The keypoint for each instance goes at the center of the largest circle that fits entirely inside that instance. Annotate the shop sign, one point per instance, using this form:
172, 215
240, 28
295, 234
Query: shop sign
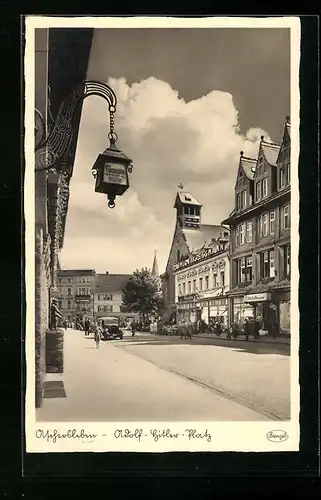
257, 297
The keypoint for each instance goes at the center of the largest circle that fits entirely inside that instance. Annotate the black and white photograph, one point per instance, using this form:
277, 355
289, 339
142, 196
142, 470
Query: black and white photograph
162, 234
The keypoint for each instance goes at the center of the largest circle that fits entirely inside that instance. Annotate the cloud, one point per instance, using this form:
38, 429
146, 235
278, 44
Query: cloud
170, 141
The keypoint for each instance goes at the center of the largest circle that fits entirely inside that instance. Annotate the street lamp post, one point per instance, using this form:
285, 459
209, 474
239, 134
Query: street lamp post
111, 167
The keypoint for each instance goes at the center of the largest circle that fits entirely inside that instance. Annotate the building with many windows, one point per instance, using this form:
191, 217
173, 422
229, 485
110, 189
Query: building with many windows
190, 236
201, 284
108, 296
260, 237
75, 293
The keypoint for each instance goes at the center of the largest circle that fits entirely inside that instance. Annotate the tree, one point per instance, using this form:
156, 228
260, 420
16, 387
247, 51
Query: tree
141, 293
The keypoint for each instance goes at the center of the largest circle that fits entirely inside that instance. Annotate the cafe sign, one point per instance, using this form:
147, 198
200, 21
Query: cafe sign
115, 174
257, 297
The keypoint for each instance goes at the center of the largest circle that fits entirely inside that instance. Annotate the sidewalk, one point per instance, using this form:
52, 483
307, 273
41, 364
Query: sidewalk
241, 338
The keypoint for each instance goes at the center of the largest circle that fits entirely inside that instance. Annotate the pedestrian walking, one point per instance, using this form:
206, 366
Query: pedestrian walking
97, 335
87, 327
133, 328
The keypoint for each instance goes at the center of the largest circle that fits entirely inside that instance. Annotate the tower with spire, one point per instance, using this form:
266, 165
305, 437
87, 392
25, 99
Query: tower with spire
155, 271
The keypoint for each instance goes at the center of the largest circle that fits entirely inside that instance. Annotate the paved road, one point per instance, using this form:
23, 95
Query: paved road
168, 379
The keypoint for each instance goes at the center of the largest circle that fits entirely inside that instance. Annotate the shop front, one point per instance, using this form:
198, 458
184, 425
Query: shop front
218, 310
265, 310
240, 310
284, 306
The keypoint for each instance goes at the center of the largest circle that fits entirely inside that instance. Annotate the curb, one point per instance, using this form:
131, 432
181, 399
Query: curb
243, 340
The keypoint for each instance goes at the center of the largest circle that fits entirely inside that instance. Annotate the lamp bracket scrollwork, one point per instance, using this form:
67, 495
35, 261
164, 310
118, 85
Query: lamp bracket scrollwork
52, 148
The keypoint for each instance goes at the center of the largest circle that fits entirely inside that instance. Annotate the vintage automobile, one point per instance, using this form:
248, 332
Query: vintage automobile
110, 328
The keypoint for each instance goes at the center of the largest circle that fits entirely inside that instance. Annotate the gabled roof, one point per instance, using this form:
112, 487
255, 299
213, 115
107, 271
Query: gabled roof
202, 237
286, 131
249, 166
271, 152
108, 283
186, 199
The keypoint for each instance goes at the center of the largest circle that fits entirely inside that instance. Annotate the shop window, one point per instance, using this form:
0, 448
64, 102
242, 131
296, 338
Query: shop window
267, 264
286, 217
249, 232
272, 222
258, 191
287, 260
264, 187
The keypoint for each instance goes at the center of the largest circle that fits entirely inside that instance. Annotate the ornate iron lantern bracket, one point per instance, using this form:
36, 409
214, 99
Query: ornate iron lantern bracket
49, 150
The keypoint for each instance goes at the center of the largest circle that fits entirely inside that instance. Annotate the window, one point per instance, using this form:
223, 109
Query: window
69, 304
264, 166
272, 268
108, 308
206, 282
258, 190
189, 287
264, 187
286, 217
238, 202
272, 222
237, 236
69, 291
249, 232
267, 264
194, 285
183, 288
215, 280
244, 269
243, 200
287, 260
59, 304
222, 278
242, 235
201, 284
265, 225
69, 280
178, 258
180, 289
288, 173
282, 177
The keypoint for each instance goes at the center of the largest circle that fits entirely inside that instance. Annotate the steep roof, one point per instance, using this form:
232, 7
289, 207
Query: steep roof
76, 272
288, 128
271, 152
186, 199
249, 166
105, 283
202, 237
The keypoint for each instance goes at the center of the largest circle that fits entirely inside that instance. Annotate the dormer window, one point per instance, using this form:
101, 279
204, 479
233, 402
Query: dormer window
243, 201
264, 187
187, 198
258, 191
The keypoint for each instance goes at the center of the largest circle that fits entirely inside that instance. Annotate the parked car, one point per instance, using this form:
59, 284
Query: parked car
110, 328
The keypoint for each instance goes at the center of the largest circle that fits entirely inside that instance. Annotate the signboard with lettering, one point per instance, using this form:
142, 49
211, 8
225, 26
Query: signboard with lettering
115, 174
257, 297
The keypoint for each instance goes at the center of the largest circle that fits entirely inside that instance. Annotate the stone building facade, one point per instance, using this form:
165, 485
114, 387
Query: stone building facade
75, 290
61, 59
202, 283
260, 244
190, 235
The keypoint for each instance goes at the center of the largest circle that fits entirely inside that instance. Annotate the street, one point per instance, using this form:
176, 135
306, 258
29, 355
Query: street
160, 378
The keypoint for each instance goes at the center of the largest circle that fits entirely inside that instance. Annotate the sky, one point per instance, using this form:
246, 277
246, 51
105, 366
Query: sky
189, 100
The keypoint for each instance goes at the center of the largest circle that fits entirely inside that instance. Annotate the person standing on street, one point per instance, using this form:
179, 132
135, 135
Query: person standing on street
246, 328
87, 326
133, 328
97, 335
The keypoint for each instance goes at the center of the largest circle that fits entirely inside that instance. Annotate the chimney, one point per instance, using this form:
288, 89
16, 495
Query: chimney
107, 272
